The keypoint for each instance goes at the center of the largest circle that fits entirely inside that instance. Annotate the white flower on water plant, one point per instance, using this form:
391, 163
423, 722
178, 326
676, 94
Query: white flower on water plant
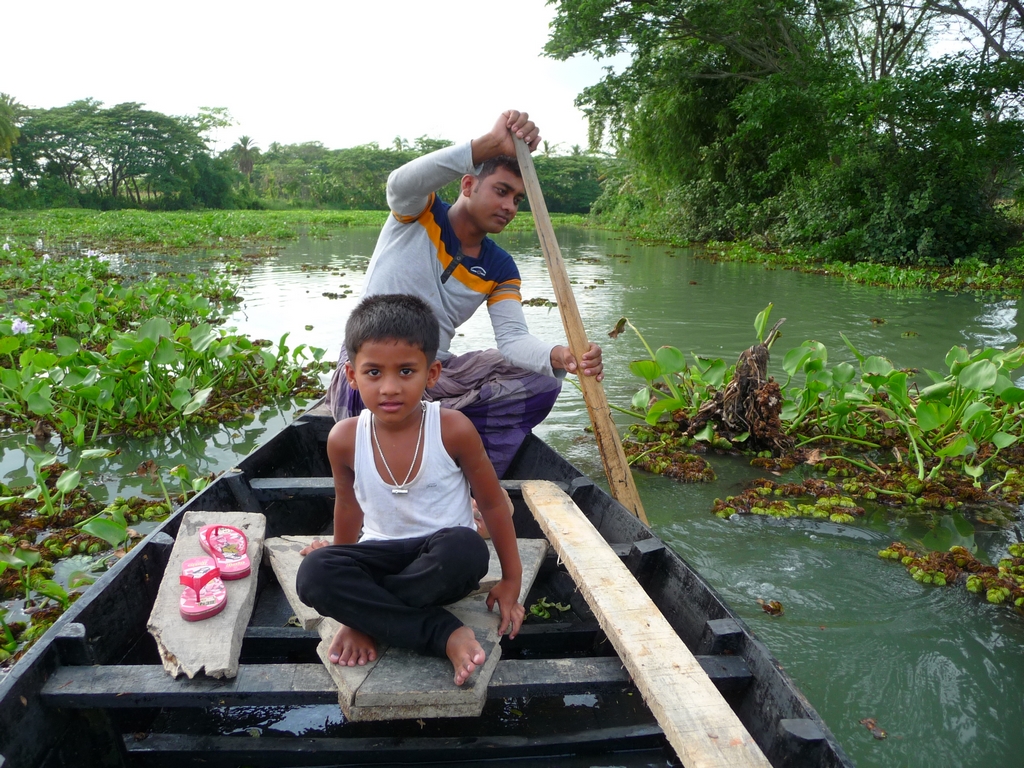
46, 257
90, 253
39, 243
7, 246
19, 326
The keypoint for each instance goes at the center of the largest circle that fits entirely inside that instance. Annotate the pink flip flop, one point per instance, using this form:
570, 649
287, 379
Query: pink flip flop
227, 546
205, 594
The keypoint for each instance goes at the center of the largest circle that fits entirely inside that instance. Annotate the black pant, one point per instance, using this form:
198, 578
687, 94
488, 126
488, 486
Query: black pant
393, 590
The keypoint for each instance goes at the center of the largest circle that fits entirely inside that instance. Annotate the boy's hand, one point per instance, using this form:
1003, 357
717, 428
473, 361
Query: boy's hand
506, 594
316, 544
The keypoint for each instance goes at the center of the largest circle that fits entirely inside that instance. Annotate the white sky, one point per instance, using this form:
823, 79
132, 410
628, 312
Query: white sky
342, 73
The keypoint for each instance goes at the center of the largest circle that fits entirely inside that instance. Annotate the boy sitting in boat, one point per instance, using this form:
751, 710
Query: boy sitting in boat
402, 550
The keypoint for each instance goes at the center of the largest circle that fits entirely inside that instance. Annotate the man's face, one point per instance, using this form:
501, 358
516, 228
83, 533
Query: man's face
493, 201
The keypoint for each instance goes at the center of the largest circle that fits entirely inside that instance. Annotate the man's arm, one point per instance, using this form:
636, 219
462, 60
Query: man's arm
463, 444
521, 348
410, 186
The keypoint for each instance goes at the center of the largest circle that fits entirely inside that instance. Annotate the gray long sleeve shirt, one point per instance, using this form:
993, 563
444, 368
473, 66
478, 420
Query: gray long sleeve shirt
415, 254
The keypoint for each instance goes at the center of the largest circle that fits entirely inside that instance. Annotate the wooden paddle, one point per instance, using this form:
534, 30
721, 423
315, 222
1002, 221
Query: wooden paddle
620, 478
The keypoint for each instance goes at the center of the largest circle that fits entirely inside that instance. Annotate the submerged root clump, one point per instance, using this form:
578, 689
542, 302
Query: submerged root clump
1000, 584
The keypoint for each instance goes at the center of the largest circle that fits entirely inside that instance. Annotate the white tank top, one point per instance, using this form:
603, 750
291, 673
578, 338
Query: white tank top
438, 496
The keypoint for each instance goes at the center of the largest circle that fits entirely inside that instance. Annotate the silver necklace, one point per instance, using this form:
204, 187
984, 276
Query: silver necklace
400, 487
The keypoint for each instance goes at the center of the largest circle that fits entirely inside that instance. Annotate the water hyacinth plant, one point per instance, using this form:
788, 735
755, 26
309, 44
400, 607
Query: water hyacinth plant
107, 354
879, 435
969, 414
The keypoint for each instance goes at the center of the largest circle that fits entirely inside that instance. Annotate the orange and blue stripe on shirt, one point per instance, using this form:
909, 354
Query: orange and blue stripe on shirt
493, 273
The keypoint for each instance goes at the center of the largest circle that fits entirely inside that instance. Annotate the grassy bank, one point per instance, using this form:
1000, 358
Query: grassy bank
967, 275
169, 232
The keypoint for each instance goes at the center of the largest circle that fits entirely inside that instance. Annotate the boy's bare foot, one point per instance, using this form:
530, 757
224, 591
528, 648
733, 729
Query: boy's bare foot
465, 653
351, 647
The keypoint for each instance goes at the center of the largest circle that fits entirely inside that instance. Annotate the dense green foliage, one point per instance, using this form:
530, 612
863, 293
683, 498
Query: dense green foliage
90, 156
805, 122
85, 154
152, 231
85, 350
970, 413
304, 175
133, 231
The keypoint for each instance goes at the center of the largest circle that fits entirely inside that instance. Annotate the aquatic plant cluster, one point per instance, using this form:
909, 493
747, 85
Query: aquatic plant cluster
56, 540
874, 437
968, 418
1002, 583
89, 349
85, 350
173, 231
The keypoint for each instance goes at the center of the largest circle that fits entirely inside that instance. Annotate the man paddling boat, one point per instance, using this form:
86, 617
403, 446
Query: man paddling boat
442, 253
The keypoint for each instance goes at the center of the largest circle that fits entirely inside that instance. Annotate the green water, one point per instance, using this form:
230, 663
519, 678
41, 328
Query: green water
940, 671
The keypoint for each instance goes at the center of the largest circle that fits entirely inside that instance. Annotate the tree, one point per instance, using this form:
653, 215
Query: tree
804, 121
9, 111
245, 153
87, 154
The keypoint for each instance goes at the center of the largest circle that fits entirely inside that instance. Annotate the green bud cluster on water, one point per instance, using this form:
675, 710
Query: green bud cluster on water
1003, 583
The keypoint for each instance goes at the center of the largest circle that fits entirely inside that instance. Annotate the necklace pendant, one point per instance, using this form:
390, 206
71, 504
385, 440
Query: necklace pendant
398, 491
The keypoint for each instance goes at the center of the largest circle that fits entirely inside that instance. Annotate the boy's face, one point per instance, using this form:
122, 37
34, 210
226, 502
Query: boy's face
390, 376
493, 201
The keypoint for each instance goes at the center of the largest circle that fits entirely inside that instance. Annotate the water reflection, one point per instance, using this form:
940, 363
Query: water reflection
999, 325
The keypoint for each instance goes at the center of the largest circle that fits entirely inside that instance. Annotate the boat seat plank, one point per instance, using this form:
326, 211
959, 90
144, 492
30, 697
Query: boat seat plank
699, 724
129, 686
401, 683
212, 645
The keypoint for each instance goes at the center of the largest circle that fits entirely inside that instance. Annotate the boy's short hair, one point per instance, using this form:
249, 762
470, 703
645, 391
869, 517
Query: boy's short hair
393, 317
507, 162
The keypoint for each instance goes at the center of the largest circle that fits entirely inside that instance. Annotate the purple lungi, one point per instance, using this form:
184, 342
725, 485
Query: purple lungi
503, 402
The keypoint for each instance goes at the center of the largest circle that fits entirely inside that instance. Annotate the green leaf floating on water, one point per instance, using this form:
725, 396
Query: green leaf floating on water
640, 399
951, 531
1003, 440
932, 415
109, 531
645, 369
707, 434
154, 328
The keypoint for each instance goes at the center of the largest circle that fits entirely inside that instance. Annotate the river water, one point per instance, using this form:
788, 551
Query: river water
940, 671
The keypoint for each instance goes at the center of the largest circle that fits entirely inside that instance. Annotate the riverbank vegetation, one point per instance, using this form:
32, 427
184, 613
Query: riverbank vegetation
87, 155
856, 442
832, 130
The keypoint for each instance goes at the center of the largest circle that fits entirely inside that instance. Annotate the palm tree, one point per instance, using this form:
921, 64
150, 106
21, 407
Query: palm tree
245, 154
9, 133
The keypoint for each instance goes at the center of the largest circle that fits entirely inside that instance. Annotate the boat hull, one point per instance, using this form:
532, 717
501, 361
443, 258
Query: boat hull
93, 692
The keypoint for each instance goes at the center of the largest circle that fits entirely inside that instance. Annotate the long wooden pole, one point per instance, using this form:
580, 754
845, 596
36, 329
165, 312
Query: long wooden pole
616, 468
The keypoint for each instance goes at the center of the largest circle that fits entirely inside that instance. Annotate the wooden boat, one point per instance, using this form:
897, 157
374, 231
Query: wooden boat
93, 691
